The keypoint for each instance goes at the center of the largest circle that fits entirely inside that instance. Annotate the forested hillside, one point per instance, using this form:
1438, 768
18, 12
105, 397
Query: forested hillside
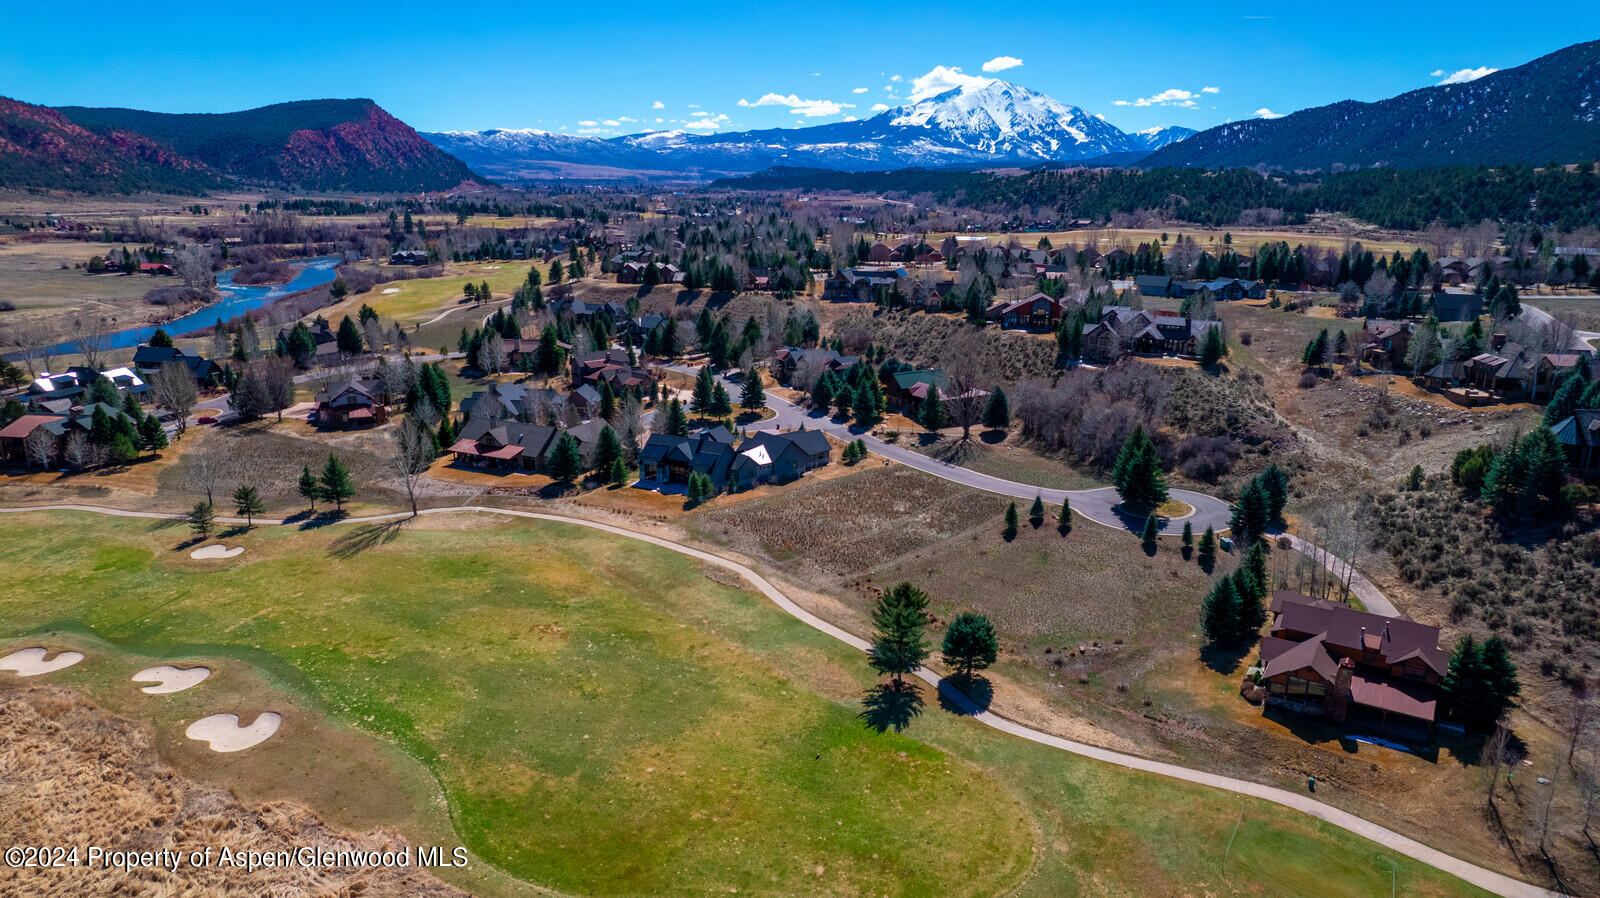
1409, 199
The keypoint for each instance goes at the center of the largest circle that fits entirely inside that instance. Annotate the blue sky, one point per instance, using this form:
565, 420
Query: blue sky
632, 66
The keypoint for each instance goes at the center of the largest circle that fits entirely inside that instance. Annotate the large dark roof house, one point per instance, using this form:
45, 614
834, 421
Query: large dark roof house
150, 359
668, 459
786, 360
1039, 312
353, 402
501, 445
1351, 667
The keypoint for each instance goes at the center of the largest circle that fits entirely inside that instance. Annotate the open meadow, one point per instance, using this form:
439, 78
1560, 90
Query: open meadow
603, 717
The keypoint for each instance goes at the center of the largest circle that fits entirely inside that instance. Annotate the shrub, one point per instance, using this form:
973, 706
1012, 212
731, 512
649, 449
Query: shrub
1308, 379
1246, 338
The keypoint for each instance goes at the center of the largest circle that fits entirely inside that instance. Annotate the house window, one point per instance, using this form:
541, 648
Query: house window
1315, 689
1276, 687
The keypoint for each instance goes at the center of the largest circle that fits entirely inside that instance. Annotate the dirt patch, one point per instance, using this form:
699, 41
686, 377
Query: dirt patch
76, 774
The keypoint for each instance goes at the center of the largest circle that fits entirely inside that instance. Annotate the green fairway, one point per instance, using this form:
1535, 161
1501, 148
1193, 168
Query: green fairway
606, 719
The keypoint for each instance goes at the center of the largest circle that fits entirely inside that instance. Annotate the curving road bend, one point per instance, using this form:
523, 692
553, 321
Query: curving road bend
1479, 876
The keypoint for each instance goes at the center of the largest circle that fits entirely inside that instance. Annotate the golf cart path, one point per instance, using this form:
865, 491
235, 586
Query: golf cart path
1405, 845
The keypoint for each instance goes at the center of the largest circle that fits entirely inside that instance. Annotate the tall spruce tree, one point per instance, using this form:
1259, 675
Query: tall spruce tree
1137, 473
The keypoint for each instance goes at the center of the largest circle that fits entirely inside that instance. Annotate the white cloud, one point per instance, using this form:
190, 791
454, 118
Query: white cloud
1001, 63
896, 78
1436, 73
879, 107
611, 123
850, 118
816, 74
940, 79
1211, 90
1462, 76
658, 105
797, 106
700, 113
694, 105
703, 124
594, 130
588, 124
1172, 96
859, 90
1264, 112
623, 118
658, 121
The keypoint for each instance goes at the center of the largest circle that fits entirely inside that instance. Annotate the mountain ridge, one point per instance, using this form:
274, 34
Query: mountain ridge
1547, 109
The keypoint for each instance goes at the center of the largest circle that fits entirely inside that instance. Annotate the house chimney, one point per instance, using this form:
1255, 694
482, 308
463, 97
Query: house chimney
1496, 341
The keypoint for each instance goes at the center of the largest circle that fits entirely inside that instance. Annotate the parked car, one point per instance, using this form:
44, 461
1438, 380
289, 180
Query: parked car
205, 419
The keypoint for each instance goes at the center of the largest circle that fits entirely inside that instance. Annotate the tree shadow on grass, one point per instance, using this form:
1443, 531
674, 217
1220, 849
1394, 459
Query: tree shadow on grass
165, 524
992, 436
360, 539
892, 705
323, 518
965, 694
1224, 659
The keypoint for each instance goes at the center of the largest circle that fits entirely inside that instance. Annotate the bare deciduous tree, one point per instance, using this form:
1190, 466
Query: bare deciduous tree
174, 391
91, 336
40, 446
1493, 756
277, 382
413, 453
205, 469
77, 451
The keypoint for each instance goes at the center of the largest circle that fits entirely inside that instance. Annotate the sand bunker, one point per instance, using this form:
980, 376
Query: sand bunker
224, 733
389, 290
170, 679
216, 551
31, 662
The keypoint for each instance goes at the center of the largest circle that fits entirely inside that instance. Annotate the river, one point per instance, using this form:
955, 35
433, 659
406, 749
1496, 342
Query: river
232, 301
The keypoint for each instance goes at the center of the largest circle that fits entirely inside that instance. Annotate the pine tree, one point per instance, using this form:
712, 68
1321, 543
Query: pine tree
997, 413
677, 421
721, 403
1151, 531
932, 413
247, 503
1219, 613
1064, 520
201, 520
1011, 520
970, 644
822, 392
335, 484
1036, 511
865, 407
1207, 550
151, 434
899, 645
1212, 347
704, 383
1275, 484
608, 401
1250, 513
566, 459
752, 395
1188, 538
607, 449
1137, 473
309, 490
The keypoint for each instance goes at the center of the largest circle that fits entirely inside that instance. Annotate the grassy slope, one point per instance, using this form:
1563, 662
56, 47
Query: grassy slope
605, 720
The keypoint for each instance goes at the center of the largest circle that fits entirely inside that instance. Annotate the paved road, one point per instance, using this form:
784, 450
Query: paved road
1401, 844
1098, 505
1370, 596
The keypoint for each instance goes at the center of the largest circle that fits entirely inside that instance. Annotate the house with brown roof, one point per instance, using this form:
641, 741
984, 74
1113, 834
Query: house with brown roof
1579, 435
353, 402
1351, 667
1039, 312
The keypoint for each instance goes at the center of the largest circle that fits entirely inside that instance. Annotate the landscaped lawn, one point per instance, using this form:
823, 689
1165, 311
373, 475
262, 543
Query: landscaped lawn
606, 719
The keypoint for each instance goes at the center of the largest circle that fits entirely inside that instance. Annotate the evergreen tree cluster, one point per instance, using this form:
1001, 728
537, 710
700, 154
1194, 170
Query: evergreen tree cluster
1261, 502
1480, 684
1138, 474
1234, 610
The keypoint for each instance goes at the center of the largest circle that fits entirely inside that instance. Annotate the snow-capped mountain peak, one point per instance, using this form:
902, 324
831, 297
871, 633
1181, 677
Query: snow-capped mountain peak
978, 122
